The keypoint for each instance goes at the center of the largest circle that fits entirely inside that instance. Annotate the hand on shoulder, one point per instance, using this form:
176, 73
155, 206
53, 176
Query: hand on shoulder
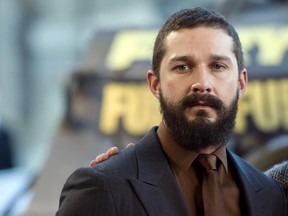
105, 156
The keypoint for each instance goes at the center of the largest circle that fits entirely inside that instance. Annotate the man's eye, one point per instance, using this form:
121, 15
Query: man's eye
218, 66
182, 67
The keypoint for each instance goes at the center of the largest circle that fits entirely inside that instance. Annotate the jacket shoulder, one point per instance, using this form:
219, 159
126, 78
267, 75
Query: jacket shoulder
252, 174
123, 163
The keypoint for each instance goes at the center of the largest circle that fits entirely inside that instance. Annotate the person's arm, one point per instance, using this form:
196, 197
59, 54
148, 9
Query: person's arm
279, 173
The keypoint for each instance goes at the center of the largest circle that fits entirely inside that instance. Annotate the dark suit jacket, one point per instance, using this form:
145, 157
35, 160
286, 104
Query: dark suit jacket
139, 181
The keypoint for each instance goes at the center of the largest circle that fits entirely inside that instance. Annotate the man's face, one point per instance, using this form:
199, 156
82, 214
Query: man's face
199, 77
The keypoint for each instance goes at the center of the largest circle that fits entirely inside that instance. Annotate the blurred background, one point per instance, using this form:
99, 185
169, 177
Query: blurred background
72, 84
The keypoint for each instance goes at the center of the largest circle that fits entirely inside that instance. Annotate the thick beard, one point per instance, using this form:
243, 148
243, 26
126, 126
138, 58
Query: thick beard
199, 133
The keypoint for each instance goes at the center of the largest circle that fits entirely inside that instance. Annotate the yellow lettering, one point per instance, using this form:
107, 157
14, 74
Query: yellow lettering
243, 111
136, 45
129, 46
248, 40
266, 102
112, 108
264, 105
139, 114
284, 99
273, 44
131, 103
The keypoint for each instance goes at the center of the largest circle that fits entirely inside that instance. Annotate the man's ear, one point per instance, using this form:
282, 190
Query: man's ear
243, 81
153, 83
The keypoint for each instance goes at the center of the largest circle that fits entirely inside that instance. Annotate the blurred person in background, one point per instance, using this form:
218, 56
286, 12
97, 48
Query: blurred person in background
198, 76
5, 148
279, 173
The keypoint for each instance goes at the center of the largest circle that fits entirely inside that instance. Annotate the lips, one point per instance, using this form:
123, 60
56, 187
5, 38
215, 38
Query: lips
202, 100
201, 104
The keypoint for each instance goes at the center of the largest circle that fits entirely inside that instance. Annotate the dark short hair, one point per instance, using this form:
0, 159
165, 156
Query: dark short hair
192, 18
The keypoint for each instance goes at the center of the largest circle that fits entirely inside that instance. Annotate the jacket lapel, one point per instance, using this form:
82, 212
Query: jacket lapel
250, 187
156, 186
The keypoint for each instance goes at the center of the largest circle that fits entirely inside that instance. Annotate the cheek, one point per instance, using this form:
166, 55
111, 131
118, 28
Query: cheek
229, 85
228, 93
174, 91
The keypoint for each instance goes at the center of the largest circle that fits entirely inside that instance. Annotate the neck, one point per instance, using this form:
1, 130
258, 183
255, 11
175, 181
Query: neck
208, 150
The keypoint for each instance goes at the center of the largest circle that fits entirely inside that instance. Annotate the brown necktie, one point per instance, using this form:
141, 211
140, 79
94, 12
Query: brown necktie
213, 201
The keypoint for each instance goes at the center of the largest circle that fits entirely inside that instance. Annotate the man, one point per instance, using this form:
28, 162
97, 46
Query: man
5, 148
198, 75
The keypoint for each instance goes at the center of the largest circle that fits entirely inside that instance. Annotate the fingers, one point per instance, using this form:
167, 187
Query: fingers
92, 163
112, 151
130, 144
98, 159
104, 156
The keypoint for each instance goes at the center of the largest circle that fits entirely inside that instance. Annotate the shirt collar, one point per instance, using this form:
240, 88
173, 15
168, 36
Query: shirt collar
221, 154
182, 157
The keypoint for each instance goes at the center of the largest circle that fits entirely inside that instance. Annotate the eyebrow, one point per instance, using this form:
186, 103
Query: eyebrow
220, 57
184, 58
187, 58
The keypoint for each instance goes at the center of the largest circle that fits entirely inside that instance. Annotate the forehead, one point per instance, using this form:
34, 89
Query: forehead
200, 40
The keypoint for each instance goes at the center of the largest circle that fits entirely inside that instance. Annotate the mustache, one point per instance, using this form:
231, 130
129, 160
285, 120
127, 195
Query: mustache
207, 99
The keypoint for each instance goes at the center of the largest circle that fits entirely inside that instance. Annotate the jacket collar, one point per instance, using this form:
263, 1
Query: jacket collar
159, 192
249, 185
156, 186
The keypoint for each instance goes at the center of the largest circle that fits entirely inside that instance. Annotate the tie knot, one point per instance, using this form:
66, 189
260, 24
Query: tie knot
208, 161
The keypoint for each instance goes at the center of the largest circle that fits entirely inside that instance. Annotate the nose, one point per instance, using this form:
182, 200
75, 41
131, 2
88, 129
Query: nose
201, 83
